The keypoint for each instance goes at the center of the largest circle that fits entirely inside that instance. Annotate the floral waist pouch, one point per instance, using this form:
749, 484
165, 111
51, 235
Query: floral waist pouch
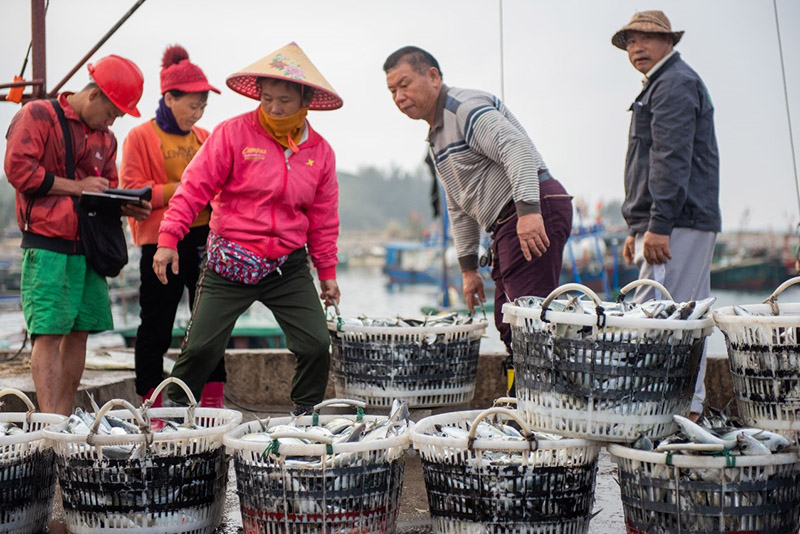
238, 264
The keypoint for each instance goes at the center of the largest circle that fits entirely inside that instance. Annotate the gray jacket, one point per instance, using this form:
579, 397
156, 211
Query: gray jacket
672, 166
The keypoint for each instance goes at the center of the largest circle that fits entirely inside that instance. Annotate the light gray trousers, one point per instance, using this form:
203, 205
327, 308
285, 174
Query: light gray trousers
687, 276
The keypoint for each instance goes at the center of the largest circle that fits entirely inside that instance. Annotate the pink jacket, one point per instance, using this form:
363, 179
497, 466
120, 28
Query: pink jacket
261, 199
143, 165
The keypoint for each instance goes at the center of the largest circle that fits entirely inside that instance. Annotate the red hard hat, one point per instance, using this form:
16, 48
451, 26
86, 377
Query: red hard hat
120, 80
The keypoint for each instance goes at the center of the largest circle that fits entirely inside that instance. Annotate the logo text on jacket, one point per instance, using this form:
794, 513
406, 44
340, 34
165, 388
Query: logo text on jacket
251, 152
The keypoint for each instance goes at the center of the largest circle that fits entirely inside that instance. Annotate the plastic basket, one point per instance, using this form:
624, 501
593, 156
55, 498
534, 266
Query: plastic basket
178, 486
27, 472
625, 377
337, 488
548, 489
764, 358
423, 366
691, 494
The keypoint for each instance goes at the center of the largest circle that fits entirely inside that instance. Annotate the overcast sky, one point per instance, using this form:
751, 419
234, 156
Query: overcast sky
563, 79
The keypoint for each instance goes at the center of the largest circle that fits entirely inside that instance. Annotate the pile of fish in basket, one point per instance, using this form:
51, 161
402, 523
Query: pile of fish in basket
27, 475
428, 361
119, 475
321, 473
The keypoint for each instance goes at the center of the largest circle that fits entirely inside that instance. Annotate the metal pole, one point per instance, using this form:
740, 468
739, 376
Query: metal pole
102, 41
39, 68
502, 71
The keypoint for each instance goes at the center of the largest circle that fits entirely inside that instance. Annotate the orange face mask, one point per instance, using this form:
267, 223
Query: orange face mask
285, 130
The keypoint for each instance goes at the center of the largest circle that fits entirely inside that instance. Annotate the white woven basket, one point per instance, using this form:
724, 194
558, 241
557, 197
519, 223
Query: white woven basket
692, 494
27, 471
547, 489
178, 487
625, 377
339, 487
423, 366
764, 358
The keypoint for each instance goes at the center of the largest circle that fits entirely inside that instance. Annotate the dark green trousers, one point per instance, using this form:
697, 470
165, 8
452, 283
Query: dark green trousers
292, 298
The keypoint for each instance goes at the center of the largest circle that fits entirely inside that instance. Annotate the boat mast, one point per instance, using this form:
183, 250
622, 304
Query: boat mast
788, 116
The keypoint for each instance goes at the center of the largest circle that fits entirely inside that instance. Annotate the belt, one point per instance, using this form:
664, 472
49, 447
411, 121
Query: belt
509, 210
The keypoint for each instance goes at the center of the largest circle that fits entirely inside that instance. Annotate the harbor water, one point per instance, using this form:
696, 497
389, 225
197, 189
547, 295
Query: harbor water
366, 291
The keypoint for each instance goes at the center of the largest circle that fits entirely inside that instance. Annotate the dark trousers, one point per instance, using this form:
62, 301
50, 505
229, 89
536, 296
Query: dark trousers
158, 304
513, 275
292, 298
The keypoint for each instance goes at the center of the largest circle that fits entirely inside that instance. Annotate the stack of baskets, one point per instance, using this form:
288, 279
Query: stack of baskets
618, 379
764, 358
534, 486
318, 488
422, 366
27, 472
175, 482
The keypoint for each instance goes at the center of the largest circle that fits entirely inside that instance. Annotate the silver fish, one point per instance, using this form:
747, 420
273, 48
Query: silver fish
750, 446
695, 432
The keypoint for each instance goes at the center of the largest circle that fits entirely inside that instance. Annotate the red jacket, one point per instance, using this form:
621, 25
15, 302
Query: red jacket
143, 165
35, 154
262, 199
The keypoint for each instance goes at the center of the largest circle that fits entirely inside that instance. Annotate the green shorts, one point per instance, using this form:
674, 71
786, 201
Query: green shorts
61, 294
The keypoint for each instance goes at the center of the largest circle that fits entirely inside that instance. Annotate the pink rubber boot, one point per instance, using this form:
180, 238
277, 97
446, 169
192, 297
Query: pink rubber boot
155, 424
213, 395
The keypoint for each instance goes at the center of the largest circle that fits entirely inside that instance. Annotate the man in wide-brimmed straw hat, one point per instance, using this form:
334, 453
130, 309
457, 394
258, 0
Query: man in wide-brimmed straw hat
494, 179
671, 171
271, 181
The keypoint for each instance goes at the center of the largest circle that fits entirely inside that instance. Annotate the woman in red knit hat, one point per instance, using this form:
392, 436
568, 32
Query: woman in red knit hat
156, 153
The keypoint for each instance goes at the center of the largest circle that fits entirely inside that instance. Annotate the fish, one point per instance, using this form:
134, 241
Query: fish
750, 446
695, 432
774, 442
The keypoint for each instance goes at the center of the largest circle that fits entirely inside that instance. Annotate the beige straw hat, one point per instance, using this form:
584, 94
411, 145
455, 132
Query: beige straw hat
647, 22
289, 63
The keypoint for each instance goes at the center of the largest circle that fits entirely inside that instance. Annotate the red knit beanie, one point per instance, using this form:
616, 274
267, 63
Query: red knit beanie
177, 72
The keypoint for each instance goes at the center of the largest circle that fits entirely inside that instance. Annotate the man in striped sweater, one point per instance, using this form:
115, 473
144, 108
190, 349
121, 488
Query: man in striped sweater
494, 179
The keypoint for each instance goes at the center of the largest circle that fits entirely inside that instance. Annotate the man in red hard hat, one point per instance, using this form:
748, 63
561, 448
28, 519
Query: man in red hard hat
64, 299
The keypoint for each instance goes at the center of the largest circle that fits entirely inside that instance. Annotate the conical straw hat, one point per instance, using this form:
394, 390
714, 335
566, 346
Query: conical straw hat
289, 63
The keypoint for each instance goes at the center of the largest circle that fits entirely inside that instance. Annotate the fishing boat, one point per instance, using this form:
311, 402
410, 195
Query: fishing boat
255, 329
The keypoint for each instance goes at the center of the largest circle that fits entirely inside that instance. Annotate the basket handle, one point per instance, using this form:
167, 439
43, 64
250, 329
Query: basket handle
601, 318
504, 400
357, 404
643, 282
700, 447
526, 431
340, 402
302, 435
772, 300
167, 381
24, 398
144, 426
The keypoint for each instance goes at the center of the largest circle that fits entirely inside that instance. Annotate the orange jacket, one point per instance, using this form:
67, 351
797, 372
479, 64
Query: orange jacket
143, 165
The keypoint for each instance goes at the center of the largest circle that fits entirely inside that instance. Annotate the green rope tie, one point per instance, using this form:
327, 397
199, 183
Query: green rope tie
359, 414
329, 448
271, 449
668, 460
730, 459
315, 418
339, 323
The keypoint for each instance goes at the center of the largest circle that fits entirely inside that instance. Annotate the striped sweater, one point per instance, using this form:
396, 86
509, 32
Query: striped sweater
484, 159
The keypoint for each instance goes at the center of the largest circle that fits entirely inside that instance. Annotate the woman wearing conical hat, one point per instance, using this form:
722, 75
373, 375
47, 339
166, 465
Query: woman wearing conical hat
271, 181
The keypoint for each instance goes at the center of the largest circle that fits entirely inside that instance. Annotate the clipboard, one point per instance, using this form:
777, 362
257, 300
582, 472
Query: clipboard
112, 200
